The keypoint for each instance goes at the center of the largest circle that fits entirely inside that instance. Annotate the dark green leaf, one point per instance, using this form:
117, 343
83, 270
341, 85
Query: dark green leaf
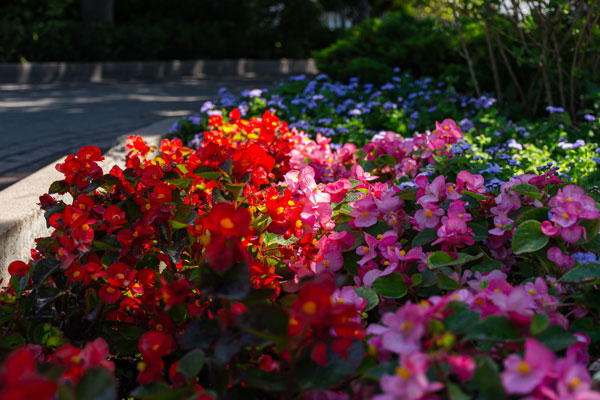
392, 286
369, 296
313, 376
527, 190
439, 259
581, 273
493, 328
266, 380
529, 237
539, 322
474, 195
42, 269
424, 237
59, 187
375, 373
587, 326
537, 214
191, 364
96, 384
274, 327
556, 338
487, 381
159, 391
201, 333
461, 321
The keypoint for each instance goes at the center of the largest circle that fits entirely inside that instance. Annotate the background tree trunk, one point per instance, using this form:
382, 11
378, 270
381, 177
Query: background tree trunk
98, 11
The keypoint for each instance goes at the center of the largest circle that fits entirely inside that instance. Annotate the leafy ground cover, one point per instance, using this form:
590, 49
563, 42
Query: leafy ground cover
259, 262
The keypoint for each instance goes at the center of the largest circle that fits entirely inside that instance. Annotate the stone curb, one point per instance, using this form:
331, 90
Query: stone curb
52, 72
21, 219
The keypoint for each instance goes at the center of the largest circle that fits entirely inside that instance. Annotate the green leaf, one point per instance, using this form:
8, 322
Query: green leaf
455, 392
447, 283
386, 159
201, 333
377, 229
264, 380
377, 372
527, 190
538, 214
182, 183
487, 264
539, 322
582, 273
176, 224
493, 328
103, 246
593, 245
235, 188
159, 391
556, 338
369, 296
529, 237
461, 321
480, 230
587, 326
273, 328
19, 283
12, 341
59, 187
486, 380
313, 376
207, 172
96, 384
439, 259
42, 269
392, 286
591, 227
191, 364
474, 195
424, 237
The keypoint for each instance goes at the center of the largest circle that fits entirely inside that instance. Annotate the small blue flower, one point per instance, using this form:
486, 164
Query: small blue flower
589, 117
513, 144
466, 125
552, 110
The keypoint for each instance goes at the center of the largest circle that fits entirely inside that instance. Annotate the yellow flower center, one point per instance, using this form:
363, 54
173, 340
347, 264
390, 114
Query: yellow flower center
403, 372
402, 253
365, 249
570, 199
406, 326
364, 214
428, 213
575, 382
565, 215
523, 368
227, 223
310, 307
460, 215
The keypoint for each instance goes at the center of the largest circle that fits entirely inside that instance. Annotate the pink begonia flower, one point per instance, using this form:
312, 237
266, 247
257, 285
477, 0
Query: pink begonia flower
567, 194
413, 255
388, 202
565, 215
291, 180
500, 221
365, 213
463, 295
454, 233
573, 378
433, 192
369, 251
518, 304
338, 189
468, 181
523, 375
409, 167
573, 233
561, 260
388, 242
481, 281
550, 230
429, 216
410, 381
324, 395
347, 295
373, 274
338, 240
332, 261
449, 128
457, 210
359, 173
403, 330
463, 366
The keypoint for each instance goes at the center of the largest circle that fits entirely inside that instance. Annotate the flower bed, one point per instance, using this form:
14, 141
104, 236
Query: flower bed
355, 112
265, 264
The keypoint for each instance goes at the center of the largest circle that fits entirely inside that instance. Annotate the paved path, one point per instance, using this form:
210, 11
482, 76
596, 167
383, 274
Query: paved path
41, 123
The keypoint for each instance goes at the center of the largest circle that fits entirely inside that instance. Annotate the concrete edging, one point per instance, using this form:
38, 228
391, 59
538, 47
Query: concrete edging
52, 72
21, 219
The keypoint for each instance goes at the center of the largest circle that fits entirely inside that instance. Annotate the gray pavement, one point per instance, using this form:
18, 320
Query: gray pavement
41, 123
